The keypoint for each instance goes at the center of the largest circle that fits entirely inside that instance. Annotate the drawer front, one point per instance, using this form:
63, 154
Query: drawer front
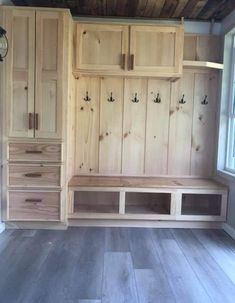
34, 152
34, 206
34, 175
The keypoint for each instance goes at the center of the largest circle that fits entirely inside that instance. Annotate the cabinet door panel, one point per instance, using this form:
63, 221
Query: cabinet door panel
157, 127
157, 48
111, 126
100, 46
204, 125
180, 136
87, 126
20, 71
134, 126
49, 72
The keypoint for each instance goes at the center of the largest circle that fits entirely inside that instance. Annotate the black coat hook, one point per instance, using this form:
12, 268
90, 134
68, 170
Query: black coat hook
182, 101
157, 99
111, 99
135, 100
204, 102
87, 98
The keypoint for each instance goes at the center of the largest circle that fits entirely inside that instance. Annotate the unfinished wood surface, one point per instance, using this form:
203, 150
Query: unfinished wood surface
101, 46
87, 126
144, 182
20, 71
181, 115
111, 115
156, 48
202, 65
157, 122
49, 74
134, 124
34, 206
204, 124
34, 152
21, 175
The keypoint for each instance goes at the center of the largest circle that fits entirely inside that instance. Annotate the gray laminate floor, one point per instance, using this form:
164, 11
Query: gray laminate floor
117, 265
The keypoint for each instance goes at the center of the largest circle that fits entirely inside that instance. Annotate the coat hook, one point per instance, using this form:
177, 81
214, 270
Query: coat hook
135, 100
204, 102
157, 99
87, 98
182, 101
111, 99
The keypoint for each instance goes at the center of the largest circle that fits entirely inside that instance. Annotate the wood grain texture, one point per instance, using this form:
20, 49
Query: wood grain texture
134, 126
87, 126
196, 9
111, 115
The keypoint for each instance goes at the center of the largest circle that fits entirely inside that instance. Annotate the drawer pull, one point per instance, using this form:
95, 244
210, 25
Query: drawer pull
33, 175
33, 200
33, 152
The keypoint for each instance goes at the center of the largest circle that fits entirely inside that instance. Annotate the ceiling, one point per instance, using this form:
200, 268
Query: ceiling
151, 9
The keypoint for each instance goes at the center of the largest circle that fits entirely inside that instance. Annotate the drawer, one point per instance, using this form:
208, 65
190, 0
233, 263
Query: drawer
34, 152
39, 206
34, 175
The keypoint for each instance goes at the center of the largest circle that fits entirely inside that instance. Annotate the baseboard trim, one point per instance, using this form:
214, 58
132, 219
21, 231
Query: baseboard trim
229, 230
2, 227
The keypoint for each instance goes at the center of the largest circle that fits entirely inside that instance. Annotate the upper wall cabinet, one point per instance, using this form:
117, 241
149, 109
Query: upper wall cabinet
156, 49
101, 47
138, 50
33, 72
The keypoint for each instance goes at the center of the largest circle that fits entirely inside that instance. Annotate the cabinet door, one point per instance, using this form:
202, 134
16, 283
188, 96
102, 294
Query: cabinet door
49, 74
156, 49
180, 136
87, 125
204, 124
111, 110
20, 26
101, 47
134, 124
157, 127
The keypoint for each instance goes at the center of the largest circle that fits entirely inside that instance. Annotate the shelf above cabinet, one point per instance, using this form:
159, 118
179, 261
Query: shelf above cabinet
202, 64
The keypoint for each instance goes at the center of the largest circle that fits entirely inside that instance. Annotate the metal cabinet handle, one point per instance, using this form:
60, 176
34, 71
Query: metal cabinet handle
36, 121
33, 200
33, 175
131, 63
30, 121
123, 61
33, 152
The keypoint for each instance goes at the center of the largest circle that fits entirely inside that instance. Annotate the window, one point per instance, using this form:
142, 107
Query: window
230, 161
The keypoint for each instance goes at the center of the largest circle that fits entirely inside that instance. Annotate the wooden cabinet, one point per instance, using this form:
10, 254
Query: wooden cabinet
156, 49
34, 73
101, 46
111, 49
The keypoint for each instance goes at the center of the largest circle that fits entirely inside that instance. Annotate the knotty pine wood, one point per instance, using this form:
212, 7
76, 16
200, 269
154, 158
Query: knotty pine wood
134, 124
87, 125
157, 127
110, 136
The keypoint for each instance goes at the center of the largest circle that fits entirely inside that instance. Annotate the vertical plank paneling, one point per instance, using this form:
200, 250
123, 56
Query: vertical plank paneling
157, 127
134, 126
87, 126
110, 137
204, 125
179, 151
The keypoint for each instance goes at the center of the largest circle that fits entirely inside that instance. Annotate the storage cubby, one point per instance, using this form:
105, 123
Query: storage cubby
148, 203
201, 204
96, 202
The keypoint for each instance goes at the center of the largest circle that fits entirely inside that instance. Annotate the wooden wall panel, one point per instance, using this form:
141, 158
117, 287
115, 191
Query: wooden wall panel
110, 137
134, 126
204, 124
157, 127
87, 126
179, 152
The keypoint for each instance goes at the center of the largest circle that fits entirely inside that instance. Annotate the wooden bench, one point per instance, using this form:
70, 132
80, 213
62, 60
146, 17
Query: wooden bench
147, 198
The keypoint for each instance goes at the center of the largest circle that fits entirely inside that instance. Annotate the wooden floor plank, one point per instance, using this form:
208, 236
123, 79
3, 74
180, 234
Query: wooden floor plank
215, 281
223, 254
119, 282
183, 281
116, 239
